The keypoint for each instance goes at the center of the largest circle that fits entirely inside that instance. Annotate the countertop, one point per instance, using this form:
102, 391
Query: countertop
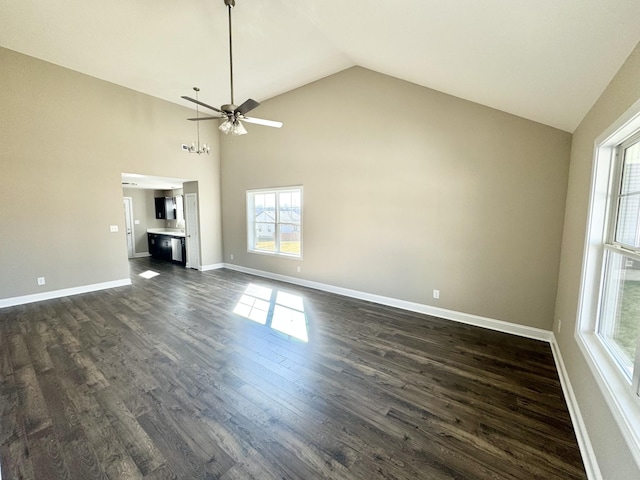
166, 231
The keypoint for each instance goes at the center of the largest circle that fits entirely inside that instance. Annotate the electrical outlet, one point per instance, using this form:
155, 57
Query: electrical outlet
231, 256
436, 294
298, 268
559, 325
113, 228
41, 281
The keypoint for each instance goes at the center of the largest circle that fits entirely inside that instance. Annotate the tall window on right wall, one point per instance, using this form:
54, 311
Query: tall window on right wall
608, 326
619, 314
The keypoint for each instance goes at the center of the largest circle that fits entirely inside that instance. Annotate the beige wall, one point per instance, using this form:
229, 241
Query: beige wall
65, 138
144, 211
624, 90
407, 190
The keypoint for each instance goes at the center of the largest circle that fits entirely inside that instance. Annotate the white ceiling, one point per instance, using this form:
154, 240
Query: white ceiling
546, 60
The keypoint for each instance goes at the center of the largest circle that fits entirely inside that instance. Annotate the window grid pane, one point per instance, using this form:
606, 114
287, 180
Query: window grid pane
631, 170
265, 236
290, 238
620, 325
627, 231
275, 221
628, 221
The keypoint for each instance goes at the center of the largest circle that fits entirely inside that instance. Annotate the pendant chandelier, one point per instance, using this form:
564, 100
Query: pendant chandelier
193, 148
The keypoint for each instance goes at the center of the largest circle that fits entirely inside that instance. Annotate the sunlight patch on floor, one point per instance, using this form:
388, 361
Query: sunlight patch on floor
279, 310
149, 274
254, 304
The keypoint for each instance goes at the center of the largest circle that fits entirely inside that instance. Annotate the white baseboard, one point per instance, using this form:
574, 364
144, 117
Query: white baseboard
469, 319
586, 449
215, 266
584, 443
140, 255
38, 297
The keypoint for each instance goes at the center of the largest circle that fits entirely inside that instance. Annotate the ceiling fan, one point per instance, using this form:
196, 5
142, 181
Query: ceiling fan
230, 112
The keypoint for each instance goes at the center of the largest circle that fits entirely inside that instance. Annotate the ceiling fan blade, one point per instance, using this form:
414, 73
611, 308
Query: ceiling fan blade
260, 121
197, 119
247, 106
201, 103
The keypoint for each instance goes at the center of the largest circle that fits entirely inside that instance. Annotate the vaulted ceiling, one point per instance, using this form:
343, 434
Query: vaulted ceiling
545, 60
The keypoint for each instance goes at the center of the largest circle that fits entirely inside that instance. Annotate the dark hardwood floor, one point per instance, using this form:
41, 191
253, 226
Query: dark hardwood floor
161, 380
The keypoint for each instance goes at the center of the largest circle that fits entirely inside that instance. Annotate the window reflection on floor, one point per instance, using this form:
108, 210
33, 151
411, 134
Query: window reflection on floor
254, 304
149, 274
279, 310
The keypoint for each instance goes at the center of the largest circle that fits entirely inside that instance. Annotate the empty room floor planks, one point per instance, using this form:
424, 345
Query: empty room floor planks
162, 380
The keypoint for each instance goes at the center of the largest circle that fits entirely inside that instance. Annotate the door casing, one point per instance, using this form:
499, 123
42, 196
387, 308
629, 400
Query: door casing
192, 230
129, 226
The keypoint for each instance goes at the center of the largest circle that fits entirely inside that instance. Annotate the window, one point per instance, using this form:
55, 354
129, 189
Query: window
608, 327
619, 319
274, 221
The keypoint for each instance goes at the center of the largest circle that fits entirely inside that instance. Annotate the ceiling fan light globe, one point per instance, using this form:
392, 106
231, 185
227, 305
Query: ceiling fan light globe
238, 128
226, 126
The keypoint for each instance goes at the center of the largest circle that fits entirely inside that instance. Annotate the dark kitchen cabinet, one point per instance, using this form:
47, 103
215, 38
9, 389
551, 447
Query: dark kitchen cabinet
165, 208
158, 246
161, 208
153, 244
162, 248
165, 247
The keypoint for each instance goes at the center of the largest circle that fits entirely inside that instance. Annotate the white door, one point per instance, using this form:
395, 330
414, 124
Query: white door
128, 225
191, 230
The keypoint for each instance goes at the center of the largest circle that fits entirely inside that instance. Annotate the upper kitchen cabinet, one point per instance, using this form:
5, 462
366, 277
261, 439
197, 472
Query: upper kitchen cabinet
165, 208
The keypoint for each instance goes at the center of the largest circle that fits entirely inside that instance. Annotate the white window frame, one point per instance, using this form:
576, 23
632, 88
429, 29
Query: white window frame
251, 224
614, 247
618, 392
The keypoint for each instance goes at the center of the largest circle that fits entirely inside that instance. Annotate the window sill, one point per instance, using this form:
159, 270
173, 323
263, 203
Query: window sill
623, 404
276, 254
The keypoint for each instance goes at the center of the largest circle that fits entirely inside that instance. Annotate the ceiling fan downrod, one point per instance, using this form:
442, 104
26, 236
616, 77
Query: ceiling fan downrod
230, 113
230, 4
